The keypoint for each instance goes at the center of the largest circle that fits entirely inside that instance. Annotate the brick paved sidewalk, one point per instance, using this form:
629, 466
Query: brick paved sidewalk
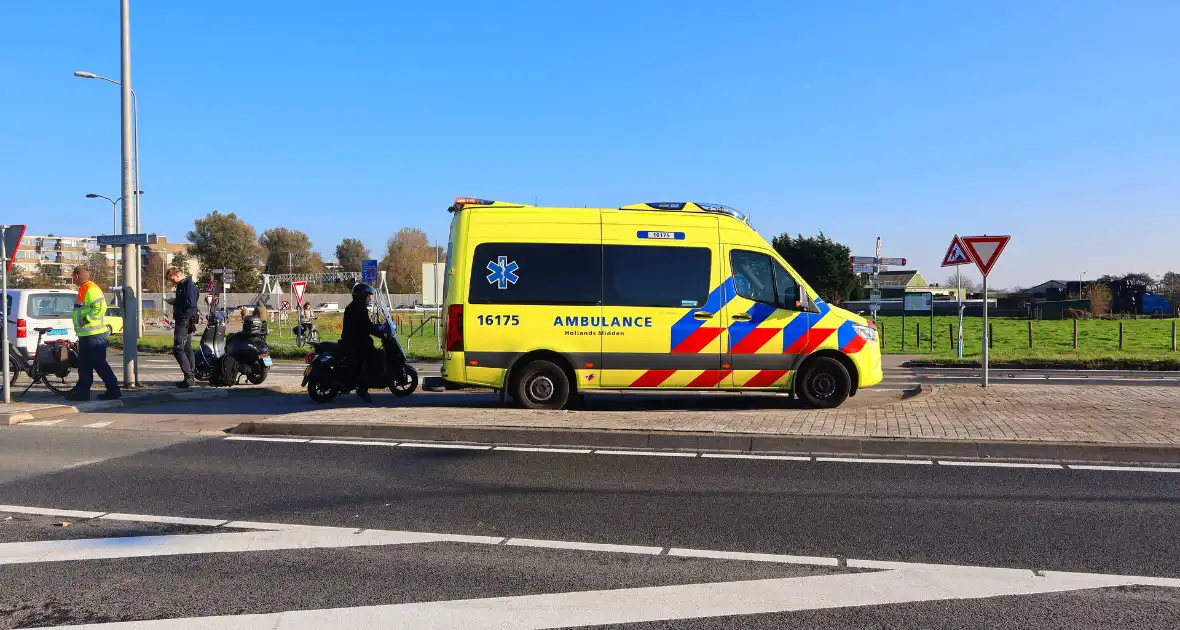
1057, 413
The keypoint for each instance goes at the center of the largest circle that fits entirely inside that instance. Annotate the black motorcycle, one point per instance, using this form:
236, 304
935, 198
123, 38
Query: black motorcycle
328, 374
222, 360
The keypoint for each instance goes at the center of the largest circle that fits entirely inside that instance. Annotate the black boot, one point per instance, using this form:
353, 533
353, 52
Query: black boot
363, 394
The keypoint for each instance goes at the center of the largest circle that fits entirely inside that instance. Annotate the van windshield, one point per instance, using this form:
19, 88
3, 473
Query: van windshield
50, 306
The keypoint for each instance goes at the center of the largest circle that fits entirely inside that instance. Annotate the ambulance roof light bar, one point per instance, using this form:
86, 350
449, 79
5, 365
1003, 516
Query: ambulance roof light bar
715, 208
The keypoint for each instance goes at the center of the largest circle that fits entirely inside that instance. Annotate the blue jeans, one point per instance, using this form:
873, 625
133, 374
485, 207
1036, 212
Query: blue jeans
92, 357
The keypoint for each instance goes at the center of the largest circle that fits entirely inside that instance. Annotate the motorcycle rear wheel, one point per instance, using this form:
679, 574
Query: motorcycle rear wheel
320, 392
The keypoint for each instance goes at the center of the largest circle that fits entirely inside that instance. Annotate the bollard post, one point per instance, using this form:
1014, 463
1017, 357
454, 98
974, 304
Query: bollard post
1030, 344
1120, 335
1075, 334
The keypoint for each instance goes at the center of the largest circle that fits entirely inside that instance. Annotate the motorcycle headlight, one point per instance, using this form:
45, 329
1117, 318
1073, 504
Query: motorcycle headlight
868, 333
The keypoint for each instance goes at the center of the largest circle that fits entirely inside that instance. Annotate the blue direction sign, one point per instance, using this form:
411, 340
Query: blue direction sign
127, 239
369, 271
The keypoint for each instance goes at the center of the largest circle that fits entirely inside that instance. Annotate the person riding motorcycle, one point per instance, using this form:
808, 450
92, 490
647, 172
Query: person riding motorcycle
356, 336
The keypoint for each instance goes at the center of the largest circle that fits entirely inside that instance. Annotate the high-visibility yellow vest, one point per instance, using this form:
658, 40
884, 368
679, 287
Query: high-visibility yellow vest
90, 306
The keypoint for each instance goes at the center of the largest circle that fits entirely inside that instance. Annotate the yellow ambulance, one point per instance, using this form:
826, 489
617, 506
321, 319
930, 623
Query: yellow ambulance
545, 304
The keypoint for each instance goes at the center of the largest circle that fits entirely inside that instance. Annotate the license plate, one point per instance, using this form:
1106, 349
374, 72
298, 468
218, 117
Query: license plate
59, 331
267, 362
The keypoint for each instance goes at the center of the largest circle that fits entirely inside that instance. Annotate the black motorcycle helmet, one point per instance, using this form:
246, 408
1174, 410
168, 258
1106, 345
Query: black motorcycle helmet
362, 291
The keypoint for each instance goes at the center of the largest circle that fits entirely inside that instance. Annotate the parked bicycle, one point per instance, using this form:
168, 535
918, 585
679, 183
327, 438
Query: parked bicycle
55, 364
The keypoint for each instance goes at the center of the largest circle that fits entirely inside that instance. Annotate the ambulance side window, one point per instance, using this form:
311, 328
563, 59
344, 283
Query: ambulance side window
644, 275
561, 274
785, 288
753, 275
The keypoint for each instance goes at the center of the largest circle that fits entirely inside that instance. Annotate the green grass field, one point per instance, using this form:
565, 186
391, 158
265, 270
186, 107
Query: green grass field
1147, 343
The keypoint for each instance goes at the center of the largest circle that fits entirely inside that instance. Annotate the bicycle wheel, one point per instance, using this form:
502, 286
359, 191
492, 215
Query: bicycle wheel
60, 384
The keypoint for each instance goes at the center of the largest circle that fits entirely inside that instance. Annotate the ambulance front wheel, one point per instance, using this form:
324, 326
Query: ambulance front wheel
541, 385
824, 383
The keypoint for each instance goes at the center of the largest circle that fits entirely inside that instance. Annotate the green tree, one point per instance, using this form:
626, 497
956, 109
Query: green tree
1099, 295
350, 252
180, 261
404, 254
823, 263
102, 270
287, 250
223, 241
18, 278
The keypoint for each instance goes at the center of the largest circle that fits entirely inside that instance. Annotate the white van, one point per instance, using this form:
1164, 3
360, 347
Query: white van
30, 309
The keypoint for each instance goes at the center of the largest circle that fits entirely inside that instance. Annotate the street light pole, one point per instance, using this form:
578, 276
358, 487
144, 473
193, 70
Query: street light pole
114, 228
130, 271
138, 191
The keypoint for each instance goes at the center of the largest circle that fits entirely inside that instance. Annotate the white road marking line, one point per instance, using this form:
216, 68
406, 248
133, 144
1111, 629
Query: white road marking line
25, 509
354, 442
187, 544
658, 603
1123, 468
754, 557
464, 447
42, 423
647, 453
583, 546
98, 425
789, 458
870, 460
943, 462
172, 520
323, 529
540, 449
250, 438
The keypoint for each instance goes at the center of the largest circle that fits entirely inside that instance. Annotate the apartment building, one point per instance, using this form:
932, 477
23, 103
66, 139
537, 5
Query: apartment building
58, 255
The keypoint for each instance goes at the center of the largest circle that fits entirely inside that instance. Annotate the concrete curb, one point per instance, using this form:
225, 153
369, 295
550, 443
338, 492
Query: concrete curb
734, 442
131, 402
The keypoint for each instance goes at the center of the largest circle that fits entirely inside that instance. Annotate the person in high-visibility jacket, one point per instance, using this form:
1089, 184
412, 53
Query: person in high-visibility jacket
89, 308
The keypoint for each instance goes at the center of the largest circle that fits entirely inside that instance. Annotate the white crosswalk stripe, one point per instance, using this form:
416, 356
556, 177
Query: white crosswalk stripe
885, 582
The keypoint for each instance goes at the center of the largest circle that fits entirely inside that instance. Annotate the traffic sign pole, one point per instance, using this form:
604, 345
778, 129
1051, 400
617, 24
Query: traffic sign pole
985, 330
6, 383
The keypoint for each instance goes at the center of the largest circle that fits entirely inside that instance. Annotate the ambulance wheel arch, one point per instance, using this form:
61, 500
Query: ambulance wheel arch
539, 364
817, 382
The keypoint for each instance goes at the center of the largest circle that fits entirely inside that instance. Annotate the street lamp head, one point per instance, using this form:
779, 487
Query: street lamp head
91, 196
85, 75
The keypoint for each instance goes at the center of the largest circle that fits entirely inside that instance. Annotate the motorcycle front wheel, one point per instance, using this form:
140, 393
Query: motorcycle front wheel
320, 392
401, 390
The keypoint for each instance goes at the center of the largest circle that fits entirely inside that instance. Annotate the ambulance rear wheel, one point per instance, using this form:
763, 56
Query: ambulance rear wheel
824, 383
541, 385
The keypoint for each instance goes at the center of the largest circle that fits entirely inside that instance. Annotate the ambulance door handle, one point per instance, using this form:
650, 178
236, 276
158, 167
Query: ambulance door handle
702, 315
741, 317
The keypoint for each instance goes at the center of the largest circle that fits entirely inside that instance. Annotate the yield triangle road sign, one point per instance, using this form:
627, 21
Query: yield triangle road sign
298, 288
985, 250
956, 254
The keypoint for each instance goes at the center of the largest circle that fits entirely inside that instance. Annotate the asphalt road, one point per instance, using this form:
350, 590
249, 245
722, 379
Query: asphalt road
982, 546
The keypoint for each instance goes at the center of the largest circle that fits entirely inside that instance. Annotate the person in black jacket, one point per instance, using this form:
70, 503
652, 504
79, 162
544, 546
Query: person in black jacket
184, 313
356, 335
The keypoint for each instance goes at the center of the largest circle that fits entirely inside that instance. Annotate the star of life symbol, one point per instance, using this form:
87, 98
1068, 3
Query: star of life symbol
503, 272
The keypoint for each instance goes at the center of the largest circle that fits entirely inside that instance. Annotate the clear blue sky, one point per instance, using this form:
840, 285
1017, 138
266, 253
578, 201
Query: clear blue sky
1055, 121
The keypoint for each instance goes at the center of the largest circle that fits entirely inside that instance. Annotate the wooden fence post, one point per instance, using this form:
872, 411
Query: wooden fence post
1173, 335
1030, 344
950, 334
1120, 335
918, 337
991, 336
1075, 334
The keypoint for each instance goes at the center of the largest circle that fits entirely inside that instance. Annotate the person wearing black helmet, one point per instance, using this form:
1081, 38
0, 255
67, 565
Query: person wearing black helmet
356, 335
